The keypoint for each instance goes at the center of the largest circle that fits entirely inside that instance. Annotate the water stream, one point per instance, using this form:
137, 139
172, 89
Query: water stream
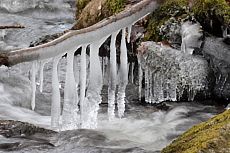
143, 128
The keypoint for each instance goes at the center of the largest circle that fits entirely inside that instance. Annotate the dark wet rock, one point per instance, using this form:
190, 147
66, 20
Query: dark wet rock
9, 128
218, 55
28, 138
23, 135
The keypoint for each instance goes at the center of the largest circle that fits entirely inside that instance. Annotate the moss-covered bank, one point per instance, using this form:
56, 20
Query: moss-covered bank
90, 12
212, 14
212, 136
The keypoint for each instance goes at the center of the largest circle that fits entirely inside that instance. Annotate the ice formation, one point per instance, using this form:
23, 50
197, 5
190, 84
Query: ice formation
168, 73
112, 77
56, 98
70, 117
131, 72
123, 76
191, 37
140, 76
83, 81
129, 33
89, 77
41, 77
33, 80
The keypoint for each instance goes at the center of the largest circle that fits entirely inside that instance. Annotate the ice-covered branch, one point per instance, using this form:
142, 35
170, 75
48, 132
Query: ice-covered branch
70, 40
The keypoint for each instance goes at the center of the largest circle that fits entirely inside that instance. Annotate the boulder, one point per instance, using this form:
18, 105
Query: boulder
207, 137
174, 73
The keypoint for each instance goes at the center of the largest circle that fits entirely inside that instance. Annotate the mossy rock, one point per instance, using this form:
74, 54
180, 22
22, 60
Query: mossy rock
212, 14
207, 137
90, 12
80, 5
170, 8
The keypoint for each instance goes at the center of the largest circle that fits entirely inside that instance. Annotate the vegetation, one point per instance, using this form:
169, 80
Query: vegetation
171, 8
212, 14
92, 11
114, 6
208, 8
210, 136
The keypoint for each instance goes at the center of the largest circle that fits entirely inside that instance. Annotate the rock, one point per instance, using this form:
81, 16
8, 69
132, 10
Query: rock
208, 137
218, 54
174, 73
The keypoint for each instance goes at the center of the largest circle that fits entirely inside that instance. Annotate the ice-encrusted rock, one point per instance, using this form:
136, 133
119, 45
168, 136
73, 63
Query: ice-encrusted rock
173, 72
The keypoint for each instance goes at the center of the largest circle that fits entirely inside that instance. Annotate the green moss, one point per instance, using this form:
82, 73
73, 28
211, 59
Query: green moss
114, 6
211, 135
171, 8
208, 8
205, 11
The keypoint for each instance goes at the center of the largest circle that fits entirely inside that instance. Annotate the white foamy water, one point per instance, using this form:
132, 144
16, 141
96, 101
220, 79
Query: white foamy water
142, 126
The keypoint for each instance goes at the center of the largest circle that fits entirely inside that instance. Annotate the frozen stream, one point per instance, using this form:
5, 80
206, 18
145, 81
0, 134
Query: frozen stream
144, 128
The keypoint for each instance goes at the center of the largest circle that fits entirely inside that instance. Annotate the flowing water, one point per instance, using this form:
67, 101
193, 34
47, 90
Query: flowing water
144, 127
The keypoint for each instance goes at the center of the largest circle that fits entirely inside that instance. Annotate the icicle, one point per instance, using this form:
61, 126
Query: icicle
103, 66
55, 105
123, 76
33, 80
83, 76
42, 64
161, 91
106, 71
158, 88
132, 71
77, 63
112, 77
140, 74
146, 84
150, 87
93, 98
172, 90
70, 120
129, 33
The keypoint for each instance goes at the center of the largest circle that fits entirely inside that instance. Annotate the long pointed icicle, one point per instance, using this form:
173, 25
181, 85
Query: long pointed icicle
123, 76
93, 98
83, 76
112, 77
55, 105
150, 86
146, 84
69, 120
42, 64
129, 33
77, 63
132, 71
140, 75
33, 80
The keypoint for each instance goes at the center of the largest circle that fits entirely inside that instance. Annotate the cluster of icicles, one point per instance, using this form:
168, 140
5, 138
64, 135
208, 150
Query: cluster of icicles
157, 88
82, 97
